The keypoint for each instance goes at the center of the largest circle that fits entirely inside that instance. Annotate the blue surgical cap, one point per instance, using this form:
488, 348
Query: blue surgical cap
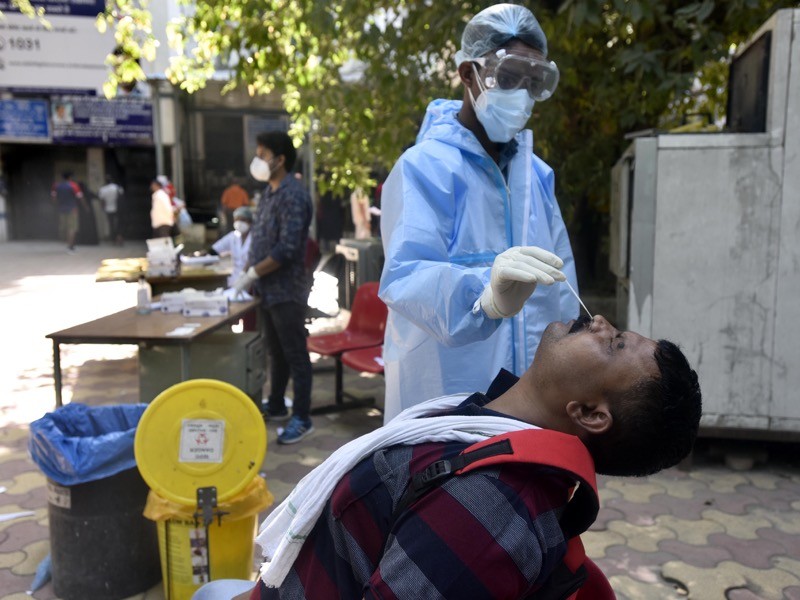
495, 26
243, 212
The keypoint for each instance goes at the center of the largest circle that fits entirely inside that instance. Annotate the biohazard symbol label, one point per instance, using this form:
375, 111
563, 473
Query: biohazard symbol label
202, 440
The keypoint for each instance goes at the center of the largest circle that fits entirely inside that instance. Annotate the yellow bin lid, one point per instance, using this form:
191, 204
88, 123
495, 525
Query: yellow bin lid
200, 433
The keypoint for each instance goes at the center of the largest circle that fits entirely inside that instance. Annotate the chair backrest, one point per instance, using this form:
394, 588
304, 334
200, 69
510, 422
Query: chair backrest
368, 314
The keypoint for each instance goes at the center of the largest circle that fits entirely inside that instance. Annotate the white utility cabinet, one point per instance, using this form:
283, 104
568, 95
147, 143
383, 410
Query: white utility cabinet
705, 244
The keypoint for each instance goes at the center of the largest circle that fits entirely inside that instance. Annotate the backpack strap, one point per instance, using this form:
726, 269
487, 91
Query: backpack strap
541, 447
545, 448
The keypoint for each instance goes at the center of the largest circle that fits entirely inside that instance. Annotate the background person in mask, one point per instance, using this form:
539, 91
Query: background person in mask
470, 224
236, 243
277, 270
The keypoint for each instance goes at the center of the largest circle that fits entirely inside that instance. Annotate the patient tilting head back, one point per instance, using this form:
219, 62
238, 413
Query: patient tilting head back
655, 422
634, 402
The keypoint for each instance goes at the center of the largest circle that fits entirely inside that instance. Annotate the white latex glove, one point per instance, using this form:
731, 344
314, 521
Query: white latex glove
245, 280
515, 274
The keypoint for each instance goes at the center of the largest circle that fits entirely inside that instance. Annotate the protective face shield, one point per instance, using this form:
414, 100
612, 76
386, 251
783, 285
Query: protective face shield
503, 113
260, 169
241, 226
506, 71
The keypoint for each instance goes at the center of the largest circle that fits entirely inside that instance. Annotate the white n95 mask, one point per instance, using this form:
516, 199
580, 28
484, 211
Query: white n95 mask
503, 113
241, 226
259, 169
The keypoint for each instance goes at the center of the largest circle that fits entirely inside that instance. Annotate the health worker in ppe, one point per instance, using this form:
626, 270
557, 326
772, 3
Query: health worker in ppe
473, 236
236, 243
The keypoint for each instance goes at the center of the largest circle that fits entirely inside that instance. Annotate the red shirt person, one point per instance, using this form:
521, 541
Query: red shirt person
66, 194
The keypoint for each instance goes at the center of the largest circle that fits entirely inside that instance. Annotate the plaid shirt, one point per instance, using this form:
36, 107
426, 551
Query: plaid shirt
491, 533
280, 230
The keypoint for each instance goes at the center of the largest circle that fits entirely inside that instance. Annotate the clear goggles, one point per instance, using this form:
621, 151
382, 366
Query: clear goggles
505, 71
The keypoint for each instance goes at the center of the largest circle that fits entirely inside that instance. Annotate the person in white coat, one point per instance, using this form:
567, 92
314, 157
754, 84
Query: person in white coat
470, 224
236, 244
162, 215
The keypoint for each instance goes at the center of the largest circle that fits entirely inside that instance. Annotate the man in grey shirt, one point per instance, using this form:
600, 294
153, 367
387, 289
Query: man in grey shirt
110, 194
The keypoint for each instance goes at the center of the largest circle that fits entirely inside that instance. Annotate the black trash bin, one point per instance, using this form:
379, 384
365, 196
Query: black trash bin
101, 545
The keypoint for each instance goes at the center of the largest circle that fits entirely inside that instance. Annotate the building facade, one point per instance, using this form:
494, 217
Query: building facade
54, 118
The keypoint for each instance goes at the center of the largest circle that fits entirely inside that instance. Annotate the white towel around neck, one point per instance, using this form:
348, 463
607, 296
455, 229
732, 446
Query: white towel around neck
284, 531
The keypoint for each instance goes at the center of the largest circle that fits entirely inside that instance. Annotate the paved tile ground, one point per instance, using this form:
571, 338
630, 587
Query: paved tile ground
709, 533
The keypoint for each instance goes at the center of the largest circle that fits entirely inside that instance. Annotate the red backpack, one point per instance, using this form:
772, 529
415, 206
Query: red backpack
577, 578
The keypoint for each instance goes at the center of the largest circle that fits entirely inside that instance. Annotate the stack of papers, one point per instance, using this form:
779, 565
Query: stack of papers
162, 260
208, 259
206, 304
235, 296
174, 302
193, 303
184, 330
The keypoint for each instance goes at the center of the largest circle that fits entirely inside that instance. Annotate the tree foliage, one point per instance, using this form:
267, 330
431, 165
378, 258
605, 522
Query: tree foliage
27, 9
629, 65
625, 65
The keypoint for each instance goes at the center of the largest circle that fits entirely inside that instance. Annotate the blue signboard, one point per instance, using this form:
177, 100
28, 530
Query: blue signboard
24, 121
70, 8
90, 121
45, 91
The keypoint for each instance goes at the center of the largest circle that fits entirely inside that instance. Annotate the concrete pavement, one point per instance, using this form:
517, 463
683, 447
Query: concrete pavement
709, 533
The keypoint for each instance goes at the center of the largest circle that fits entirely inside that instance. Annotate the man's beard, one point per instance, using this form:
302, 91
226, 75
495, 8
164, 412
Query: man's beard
580, 324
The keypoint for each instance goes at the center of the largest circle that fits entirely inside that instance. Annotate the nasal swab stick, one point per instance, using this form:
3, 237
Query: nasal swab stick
574, 293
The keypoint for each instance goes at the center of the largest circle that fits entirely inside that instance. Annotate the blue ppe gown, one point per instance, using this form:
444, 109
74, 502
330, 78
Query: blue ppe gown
447, 211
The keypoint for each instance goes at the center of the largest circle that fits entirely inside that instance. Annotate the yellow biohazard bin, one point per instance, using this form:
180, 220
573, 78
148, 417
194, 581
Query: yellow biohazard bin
203, 435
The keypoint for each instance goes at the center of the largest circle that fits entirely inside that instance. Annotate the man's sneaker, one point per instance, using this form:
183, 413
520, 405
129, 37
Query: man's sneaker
295, 431
271, 416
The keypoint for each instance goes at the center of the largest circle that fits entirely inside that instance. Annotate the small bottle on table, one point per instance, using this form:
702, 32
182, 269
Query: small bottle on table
144, 295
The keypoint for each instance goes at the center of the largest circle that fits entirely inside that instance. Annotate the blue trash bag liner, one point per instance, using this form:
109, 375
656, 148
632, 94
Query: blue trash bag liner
77, 443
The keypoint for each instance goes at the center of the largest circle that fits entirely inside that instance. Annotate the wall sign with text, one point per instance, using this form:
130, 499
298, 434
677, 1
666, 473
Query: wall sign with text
70, 55
91, 120
24, 121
